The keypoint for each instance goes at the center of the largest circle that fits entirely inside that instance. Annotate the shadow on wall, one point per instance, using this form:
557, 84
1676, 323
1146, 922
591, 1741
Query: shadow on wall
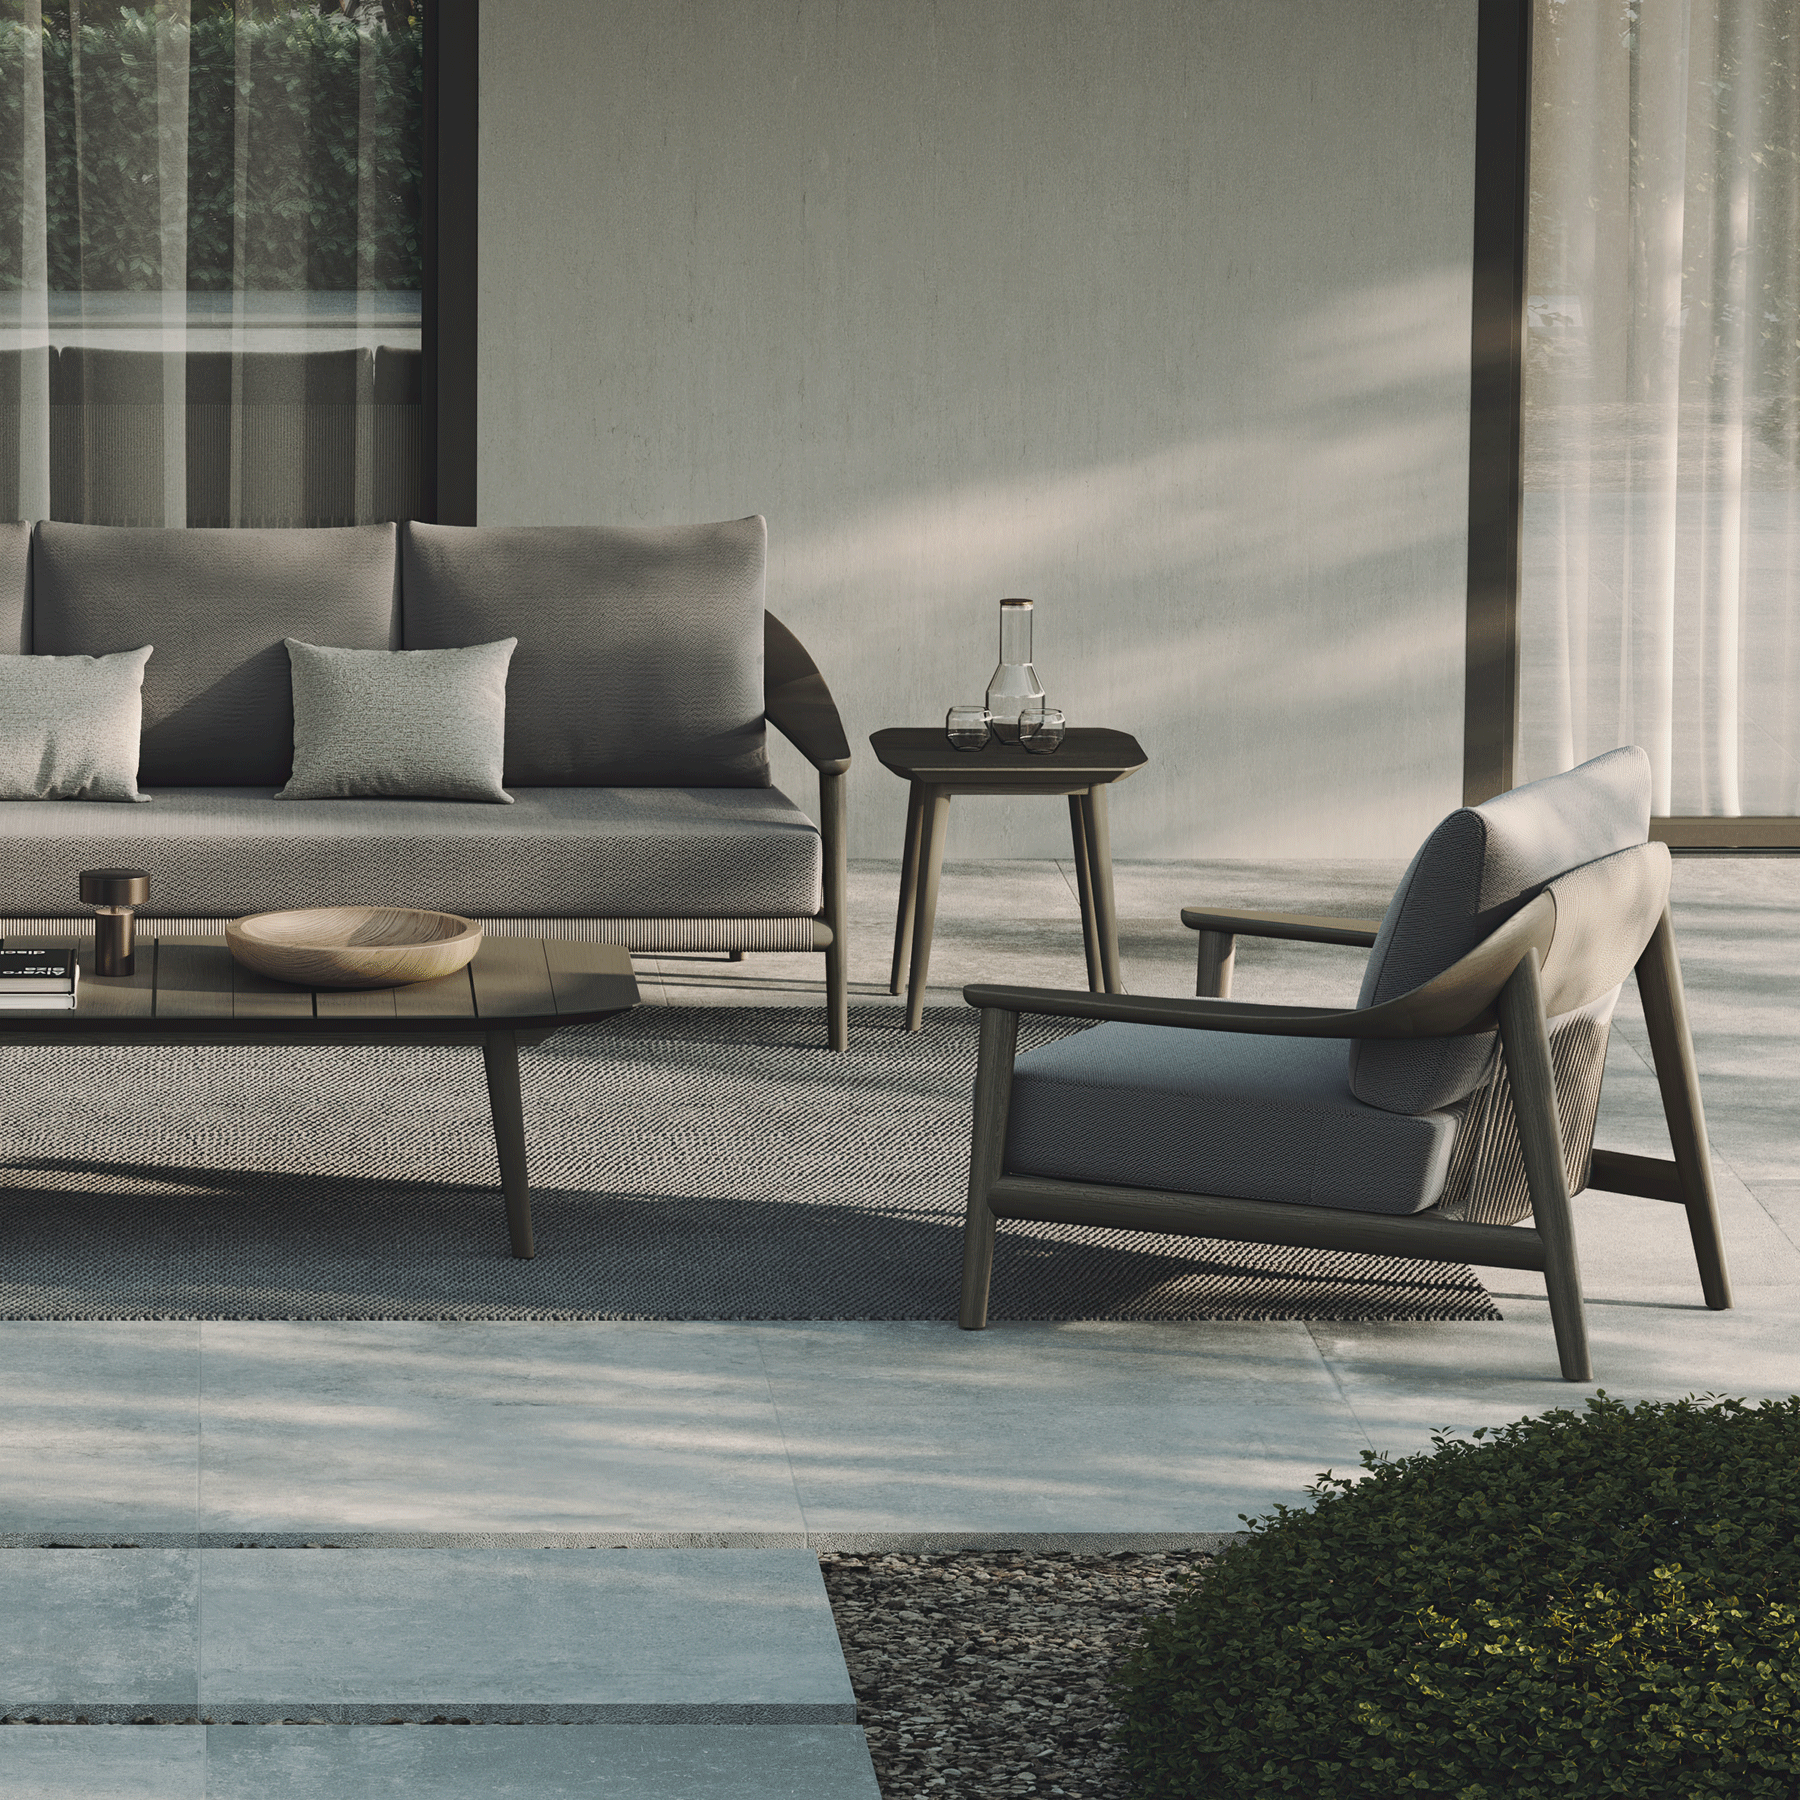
1274, 606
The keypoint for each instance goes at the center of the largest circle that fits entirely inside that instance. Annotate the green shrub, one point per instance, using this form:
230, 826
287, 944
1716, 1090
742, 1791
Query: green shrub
1578, 1604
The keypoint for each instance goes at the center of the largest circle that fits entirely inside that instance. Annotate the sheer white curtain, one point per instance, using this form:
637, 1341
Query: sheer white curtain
1660, 600
209, 261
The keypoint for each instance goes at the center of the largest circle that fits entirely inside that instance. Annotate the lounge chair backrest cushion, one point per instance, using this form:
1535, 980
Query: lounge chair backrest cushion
1474, 871
640, 654
216, 605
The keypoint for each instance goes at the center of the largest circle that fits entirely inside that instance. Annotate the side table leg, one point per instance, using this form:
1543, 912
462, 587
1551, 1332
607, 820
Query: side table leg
909, 883
936, 811
1106, 918
1084, 886
500, 1052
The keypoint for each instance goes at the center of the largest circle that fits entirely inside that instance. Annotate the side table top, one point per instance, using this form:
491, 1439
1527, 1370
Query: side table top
1089, 754
195, 985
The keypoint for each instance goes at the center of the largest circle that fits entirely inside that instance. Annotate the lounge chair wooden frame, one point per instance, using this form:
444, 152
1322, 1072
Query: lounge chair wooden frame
1518, 978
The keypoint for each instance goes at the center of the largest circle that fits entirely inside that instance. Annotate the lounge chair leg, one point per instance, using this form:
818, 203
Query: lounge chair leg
1672, 1049
987, 1149
1527, 1047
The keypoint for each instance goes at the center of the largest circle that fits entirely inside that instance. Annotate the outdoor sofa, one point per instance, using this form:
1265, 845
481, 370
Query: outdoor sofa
634, 803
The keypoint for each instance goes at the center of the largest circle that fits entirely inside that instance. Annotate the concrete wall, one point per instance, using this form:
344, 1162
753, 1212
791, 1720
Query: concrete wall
1155, 311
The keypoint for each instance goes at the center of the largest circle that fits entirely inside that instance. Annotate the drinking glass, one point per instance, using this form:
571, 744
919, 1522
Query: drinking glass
967, 727
1041, 729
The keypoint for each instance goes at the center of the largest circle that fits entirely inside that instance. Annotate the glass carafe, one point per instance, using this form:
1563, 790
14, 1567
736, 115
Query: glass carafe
1015, 684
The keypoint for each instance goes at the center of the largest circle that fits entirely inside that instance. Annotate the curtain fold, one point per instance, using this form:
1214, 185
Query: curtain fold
209, 241
1659, 599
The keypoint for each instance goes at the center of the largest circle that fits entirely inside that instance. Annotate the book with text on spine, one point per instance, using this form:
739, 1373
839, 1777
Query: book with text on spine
39, 979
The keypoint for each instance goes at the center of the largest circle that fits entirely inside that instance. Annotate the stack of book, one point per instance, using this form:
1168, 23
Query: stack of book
38, 979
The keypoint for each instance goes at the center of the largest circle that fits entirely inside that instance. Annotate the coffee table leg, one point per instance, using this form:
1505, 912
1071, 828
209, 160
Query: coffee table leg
936, 820
1106, 919
500, 1052
1084, 886
909, 883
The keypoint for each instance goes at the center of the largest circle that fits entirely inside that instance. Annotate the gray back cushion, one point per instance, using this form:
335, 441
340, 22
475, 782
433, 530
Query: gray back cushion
640, 658
1474, 871
15, 589
216, 605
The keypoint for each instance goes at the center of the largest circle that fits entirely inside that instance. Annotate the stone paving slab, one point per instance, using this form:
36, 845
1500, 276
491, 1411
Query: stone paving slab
336, 1762
494, 1425
377, 1636
547, 1762
103, 1634
103, 1762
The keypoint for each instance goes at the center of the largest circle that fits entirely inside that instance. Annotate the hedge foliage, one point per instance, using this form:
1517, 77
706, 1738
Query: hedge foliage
1601, 1603
328, 113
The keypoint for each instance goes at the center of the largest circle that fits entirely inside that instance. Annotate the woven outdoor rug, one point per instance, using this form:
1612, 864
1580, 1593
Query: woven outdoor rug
686, 1163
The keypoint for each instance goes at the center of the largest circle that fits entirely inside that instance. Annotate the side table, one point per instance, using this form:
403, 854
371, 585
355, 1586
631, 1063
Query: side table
1090, 760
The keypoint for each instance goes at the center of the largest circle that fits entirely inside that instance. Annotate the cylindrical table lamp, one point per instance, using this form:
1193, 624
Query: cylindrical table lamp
115, 895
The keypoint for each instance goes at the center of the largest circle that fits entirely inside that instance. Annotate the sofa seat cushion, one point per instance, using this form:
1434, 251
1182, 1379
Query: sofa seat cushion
1210, 1112
729, 853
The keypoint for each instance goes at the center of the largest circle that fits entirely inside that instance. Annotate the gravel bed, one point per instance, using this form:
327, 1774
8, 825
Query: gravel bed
984, 1672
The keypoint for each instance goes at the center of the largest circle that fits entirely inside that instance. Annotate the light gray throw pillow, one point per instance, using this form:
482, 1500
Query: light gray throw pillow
399, 724
70, 726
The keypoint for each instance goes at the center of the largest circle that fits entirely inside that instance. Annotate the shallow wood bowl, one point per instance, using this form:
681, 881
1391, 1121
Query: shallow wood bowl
354, 946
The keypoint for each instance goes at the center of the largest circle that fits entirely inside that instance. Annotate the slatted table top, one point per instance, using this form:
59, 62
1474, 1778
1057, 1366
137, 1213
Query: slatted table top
185, 987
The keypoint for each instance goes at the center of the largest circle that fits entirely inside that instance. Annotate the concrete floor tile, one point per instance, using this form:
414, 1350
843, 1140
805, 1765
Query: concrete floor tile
565, 1636
1042, 1428
99, 1427
1401, 1388
103, 1762
96, 1631
489, 1427
552, 1762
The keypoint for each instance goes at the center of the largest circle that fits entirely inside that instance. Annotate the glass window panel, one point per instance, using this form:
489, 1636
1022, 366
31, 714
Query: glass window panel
210, 261
1660, 599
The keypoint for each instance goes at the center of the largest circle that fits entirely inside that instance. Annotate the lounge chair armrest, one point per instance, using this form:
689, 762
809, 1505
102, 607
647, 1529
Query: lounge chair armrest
1457, 1002
1305, 928
798, 703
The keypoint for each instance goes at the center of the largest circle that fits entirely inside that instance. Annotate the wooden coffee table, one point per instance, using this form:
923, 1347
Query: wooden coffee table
190, 991
1089, 762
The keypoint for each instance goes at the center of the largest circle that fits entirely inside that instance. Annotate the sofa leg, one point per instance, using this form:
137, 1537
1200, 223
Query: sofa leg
833, 823
987, 1150
734, 955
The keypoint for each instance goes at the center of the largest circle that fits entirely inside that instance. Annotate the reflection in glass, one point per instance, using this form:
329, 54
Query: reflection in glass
210, 261
1660, 600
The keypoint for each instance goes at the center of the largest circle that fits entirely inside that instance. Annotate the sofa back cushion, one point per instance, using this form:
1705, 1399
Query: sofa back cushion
1472, 874
217, 606
640, 658
15, 589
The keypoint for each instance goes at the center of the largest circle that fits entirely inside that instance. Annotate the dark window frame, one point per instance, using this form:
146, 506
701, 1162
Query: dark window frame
450, 242
1496, 473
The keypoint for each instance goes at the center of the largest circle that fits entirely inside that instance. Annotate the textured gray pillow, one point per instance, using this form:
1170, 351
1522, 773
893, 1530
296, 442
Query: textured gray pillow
399, 724
70, 726
1469, 877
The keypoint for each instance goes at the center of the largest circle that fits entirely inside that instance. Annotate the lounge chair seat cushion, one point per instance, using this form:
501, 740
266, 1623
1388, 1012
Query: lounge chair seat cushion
1201, 1112
565, 852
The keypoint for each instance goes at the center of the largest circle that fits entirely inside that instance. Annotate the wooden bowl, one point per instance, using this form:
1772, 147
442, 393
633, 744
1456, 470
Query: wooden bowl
353, 946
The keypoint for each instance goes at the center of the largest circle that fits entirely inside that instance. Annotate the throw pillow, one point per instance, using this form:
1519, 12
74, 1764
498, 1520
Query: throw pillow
70, 726
399, 724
